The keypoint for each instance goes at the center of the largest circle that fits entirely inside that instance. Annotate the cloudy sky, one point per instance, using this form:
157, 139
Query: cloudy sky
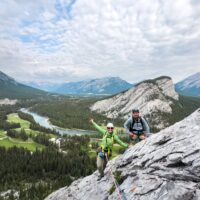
48, 41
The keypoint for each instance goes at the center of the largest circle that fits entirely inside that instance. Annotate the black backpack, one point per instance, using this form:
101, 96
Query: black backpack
133, 122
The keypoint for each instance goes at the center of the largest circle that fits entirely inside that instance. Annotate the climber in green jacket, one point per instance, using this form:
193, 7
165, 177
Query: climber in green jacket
105, 149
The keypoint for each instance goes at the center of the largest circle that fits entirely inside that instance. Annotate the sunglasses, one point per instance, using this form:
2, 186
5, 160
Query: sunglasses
110, 128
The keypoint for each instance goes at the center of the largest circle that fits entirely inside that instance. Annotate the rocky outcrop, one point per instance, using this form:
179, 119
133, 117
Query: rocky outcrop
167, 87
152, 97
166, 166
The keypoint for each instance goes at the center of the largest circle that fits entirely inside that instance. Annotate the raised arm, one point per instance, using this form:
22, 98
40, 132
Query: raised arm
116, 138
97, 127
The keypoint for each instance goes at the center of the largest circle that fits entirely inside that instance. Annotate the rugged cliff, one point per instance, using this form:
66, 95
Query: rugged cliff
166, 166
154, 98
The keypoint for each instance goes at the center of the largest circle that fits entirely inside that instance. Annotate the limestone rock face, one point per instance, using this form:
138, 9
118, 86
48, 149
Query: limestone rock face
153, 97
167, 87
166, 166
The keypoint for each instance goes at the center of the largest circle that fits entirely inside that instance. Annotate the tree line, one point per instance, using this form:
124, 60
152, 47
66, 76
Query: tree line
17, 134
35, 175
4, 111
72, 113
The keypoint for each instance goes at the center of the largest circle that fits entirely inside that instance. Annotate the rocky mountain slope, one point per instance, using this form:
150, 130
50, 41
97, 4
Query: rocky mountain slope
189, 86
9, 88
166, 166
6, 79
154, 98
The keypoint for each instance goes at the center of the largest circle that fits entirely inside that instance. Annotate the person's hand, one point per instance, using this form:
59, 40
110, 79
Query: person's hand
142, 137
133, 135
91, 120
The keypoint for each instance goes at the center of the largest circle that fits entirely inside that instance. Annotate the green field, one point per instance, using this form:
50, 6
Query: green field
14, 118
10, 142
30, 145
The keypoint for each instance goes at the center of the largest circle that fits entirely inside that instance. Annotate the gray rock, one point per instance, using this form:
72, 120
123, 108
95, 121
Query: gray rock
155, 96
166, 166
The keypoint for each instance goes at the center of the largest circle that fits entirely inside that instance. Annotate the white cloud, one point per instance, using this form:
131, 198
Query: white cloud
67, 41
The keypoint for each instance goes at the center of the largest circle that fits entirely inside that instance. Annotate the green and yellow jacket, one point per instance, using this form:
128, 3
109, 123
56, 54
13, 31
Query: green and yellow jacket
108, 138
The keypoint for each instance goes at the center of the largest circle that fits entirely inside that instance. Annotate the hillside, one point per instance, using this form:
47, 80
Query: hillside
165, 166
189, 86
156, 99
12, 89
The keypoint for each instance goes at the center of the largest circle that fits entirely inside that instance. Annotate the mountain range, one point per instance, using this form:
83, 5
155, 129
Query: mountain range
100, 86
189, 86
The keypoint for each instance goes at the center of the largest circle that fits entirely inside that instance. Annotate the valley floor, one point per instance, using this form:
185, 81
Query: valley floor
8, 142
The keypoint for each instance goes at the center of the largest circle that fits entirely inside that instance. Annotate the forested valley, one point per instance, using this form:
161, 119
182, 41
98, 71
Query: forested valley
36, 174
26, 174
72, 113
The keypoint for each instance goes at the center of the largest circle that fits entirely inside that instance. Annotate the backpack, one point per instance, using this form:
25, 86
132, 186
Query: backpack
133, 122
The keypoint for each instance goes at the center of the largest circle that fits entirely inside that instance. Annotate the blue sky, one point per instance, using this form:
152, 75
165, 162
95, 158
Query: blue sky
46, 41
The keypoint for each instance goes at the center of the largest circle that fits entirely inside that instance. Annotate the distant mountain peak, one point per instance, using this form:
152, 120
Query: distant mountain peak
5, 77
190, 86
12, 89
98, 86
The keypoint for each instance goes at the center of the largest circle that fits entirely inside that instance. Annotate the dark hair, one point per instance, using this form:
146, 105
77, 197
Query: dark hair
135, 110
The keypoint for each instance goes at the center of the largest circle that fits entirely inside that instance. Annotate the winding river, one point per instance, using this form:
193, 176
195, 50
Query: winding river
44, 121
